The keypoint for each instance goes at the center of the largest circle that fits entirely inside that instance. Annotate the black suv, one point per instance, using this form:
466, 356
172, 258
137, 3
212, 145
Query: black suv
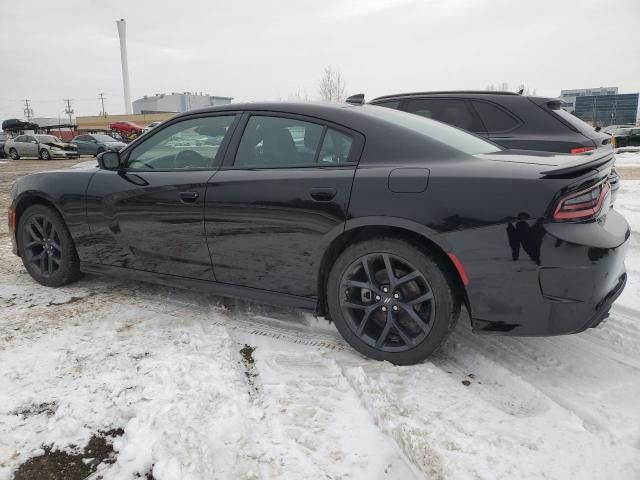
508, 119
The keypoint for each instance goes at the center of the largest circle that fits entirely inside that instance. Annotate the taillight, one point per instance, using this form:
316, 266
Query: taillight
582, 205
575, 151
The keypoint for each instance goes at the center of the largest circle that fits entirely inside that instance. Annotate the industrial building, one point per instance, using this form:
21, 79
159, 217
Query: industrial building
177, 102
602, 106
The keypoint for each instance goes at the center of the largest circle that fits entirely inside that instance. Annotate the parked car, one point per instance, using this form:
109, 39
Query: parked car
96, 143
610, 128
3, 139
386, 223
626, 137
508, 119
44, 147
150, 127
126, 131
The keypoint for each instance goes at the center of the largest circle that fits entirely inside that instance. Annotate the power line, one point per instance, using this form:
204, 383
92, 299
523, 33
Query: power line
68, 110
102, 99
28, 111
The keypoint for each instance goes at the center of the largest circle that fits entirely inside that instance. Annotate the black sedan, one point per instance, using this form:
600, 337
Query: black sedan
385, 222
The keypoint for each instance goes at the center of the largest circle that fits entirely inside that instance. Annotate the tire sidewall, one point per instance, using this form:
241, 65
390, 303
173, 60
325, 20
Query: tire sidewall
44, 154
69, 266
447, 308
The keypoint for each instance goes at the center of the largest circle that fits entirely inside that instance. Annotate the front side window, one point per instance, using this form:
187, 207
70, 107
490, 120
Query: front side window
276, 141
189, 144
451, 111
20, 139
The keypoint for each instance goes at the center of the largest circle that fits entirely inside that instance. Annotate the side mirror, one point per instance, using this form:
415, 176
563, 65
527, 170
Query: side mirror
109, 160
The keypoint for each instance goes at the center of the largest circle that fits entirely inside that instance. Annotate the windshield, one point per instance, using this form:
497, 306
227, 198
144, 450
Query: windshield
47, 138
104, 138
441, 132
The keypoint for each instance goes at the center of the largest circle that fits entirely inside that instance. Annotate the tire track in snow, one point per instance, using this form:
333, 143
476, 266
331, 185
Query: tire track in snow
310, 410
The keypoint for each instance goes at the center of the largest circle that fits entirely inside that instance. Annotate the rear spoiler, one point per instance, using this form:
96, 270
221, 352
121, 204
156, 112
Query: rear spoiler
581, 163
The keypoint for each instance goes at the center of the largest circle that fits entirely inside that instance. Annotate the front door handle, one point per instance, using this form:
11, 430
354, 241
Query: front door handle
188, 197
322, 194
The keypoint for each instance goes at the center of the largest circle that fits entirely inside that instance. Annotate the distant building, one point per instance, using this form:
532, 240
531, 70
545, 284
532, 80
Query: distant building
602, 106
569, 96
177, 102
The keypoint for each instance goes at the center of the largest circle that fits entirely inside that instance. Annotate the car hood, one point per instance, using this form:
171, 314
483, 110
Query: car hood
62, 145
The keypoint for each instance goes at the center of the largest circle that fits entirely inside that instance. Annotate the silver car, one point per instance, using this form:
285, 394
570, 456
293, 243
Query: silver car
44, 147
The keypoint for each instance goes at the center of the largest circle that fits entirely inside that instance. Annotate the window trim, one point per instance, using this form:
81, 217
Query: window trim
357, 146
125, 154
518, 120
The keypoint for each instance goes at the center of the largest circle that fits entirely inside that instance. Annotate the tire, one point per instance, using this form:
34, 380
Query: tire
13, 153
44, 154
46, 247
418, 275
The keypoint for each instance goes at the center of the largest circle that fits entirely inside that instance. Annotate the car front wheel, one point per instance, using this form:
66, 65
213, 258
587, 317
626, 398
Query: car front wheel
13, 153
46, 247
44, 154
391, 301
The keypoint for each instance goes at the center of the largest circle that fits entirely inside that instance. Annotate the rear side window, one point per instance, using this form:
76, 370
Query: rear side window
269, 142
336, 148
495, 119
451, 111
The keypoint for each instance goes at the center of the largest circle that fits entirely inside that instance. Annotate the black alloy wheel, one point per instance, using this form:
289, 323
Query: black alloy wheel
42, 247
391, 300
387, 302
46, 248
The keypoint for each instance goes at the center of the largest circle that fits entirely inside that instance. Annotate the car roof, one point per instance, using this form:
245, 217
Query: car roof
461, 93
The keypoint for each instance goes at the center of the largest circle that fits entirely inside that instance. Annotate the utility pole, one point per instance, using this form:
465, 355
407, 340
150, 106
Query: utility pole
102, 99
68, 110
28, 111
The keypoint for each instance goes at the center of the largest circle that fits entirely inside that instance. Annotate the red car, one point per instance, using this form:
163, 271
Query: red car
126, 127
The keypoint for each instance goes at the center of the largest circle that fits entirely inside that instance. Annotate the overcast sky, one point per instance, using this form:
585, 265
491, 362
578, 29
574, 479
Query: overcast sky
271, 49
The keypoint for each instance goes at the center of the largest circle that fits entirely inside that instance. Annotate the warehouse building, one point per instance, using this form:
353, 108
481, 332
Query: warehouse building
177, 102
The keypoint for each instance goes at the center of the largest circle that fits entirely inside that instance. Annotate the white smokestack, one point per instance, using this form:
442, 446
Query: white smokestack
122, 33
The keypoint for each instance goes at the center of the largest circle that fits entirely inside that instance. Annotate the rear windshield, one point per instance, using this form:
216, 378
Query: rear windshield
438, 131
574, 121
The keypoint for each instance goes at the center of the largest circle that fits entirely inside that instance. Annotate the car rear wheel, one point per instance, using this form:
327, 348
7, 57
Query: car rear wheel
46, 247
44, 154
391, 301
13, 153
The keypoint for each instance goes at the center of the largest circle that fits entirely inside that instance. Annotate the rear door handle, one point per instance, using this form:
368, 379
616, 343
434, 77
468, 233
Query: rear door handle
188, 197
322, 194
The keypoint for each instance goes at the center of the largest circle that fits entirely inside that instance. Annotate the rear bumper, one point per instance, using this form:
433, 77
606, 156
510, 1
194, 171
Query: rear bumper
555, 279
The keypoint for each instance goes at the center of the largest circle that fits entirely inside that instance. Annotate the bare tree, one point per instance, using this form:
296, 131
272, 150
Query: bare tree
332, 86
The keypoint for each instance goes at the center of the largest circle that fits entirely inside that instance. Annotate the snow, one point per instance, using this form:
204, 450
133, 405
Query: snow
166, 366
628, 157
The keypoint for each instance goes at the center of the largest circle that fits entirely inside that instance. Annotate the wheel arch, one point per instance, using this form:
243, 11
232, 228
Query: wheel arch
361, 229
28, 199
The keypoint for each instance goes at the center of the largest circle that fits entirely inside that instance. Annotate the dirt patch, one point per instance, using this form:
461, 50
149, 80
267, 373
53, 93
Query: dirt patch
248, 363
54, 303
247, 353
45, 408
61, 465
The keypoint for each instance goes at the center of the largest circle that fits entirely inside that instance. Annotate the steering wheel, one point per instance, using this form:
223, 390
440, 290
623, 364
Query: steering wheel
189, 158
